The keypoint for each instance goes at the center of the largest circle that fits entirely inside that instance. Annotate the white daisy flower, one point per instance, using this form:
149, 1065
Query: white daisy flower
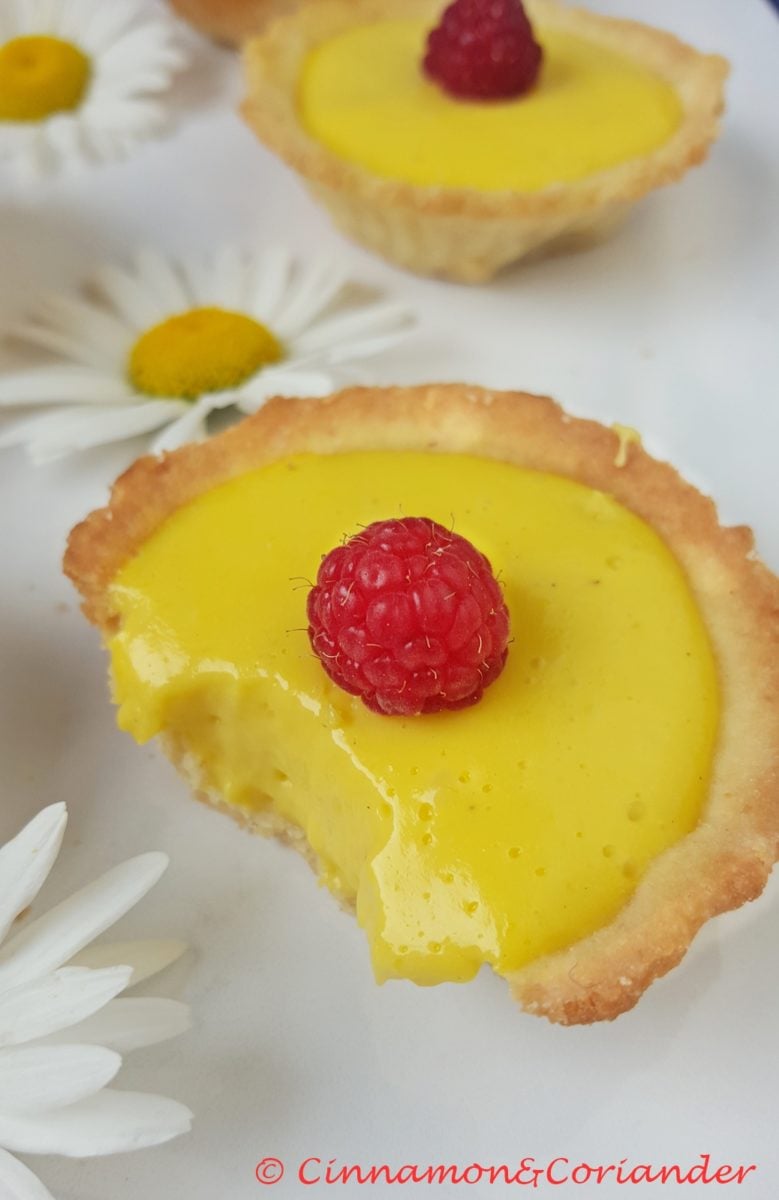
62, 1030
79, 79
167, 343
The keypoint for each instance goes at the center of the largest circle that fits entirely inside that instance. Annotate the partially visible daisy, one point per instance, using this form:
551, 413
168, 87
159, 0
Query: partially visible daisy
79, 79
62, 1030
166, 343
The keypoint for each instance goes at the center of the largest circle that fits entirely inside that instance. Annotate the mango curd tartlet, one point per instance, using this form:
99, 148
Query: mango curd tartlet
500, 676
347, 94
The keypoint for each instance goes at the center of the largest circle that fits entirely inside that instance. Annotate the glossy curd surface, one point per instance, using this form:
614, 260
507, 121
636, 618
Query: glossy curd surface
363, 94
494, 834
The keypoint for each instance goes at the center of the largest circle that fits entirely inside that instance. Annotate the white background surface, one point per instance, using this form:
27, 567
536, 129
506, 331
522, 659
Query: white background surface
671, 328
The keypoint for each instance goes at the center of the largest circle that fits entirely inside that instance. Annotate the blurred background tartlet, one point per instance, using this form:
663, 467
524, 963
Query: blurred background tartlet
231, 21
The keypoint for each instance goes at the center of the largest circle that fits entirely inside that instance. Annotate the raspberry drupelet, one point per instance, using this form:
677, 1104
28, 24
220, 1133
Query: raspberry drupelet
483, 50
409, 616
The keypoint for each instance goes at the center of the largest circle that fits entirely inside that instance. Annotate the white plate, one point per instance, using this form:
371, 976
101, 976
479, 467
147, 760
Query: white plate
670, 328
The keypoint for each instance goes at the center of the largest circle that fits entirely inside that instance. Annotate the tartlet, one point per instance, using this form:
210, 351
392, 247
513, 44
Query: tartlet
232, 21
464, 232
725, 858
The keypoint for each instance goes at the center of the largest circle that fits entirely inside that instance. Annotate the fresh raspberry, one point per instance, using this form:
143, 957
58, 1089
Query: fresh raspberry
483, 50
409, 617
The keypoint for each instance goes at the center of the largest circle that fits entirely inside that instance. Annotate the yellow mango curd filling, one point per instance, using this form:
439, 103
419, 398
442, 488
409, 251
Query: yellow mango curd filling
494, 834
363, 95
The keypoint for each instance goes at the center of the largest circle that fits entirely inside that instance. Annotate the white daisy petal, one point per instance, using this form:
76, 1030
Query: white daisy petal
26, 861
340, 330
110, 84
283, 381
88, 322
139, 117
161, 278
315, 287
71, 19
190, 426
267, 282
199, 276
36, 1079
302, 382
17, 1182
63, 140
57, 1001
138, 304
123, 76
109, 1123
62, 1032
144, 958
62, 385
129, 1024
55, 434
19, 15
252, 402
73, 348
229, 279
39, 161
104, 26
45, 944
137, 46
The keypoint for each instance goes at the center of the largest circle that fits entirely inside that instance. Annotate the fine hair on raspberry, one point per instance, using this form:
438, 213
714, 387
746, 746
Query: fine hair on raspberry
409, 616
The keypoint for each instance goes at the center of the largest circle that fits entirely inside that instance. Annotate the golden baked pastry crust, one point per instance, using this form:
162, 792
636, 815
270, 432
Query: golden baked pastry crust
232, 21
462, 233
727, 859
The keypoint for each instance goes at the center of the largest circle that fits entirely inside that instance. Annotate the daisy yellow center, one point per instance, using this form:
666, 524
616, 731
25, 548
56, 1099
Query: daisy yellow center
40, 76
203, 350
